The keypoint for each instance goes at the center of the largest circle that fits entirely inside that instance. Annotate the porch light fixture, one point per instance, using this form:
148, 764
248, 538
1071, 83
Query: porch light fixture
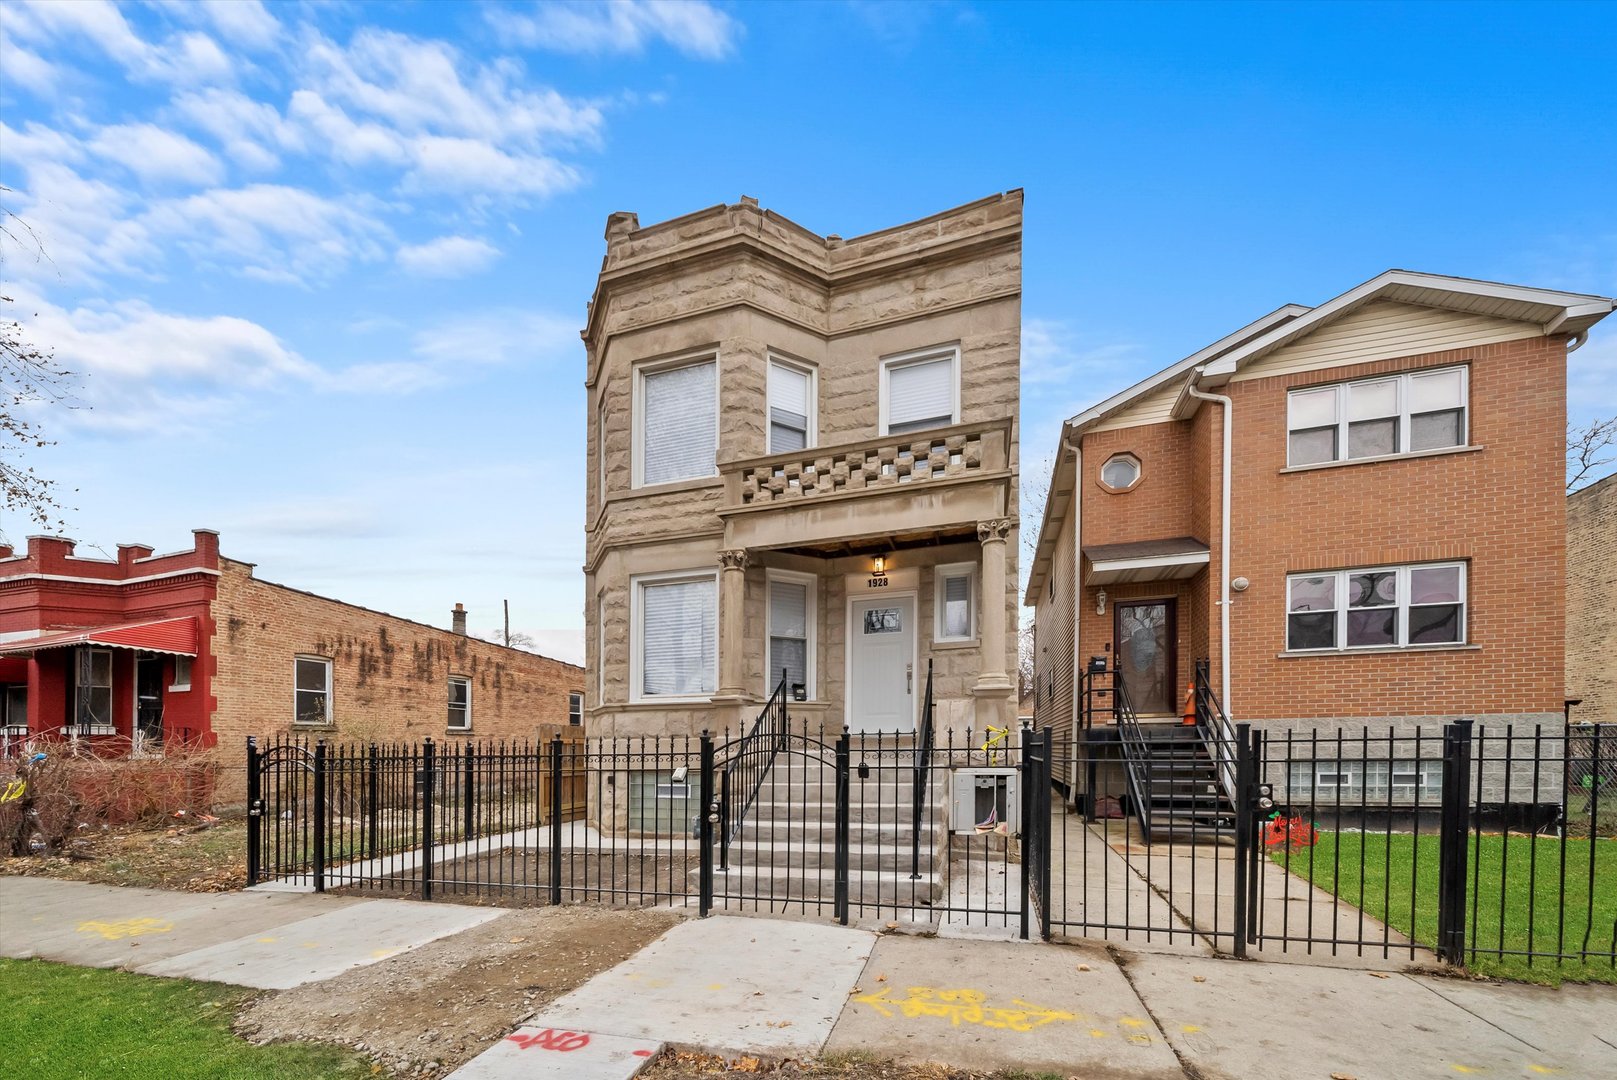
878, 566
1100, 601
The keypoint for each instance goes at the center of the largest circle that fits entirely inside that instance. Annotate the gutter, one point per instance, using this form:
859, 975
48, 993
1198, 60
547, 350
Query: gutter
1224, 537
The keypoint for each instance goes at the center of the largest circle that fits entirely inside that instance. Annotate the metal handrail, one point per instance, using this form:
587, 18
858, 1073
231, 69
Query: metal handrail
1217, 732
747, 766
1134, 755
923, 772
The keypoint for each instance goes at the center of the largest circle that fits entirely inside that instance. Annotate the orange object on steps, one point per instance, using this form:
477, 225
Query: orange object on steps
1188, 713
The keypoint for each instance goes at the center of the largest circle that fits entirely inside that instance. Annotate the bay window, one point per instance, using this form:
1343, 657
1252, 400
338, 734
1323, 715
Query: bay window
678, 422
676, 619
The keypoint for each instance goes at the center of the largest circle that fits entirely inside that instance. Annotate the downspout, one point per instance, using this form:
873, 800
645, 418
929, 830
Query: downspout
1077, 583
1224, 539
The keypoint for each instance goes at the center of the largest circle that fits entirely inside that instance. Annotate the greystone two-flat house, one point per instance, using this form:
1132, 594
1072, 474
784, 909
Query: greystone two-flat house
803, 472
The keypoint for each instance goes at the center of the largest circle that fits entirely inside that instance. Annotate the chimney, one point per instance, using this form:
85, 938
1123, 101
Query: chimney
457, 620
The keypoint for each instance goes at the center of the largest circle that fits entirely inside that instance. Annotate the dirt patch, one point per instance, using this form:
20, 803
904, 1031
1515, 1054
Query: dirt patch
186, 858
520, 877
680, 1065
427, 1011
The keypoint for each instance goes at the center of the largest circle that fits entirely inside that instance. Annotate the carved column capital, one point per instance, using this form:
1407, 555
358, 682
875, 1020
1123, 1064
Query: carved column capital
995, 529
733, 558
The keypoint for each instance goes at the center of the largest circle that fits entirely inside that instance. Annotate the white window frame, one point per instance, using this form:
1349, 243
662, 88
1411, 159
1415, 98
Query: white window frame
182, 682
1403, 605
12, 725
920, 356
939, 574
108, 728
575, 708
1343, 390
811, 619
637, 633
467, 725
330, 690
638, 435
801, 367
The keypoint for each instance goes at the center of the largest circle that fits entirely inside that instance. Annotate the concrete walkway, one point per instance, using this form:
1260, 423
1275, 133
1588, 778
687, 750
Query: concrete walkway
265, 940
777, 988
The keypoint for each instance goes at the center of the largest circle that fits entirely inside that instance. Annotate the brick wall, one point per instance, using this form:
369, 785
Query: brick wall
1501, 508
1591, 601
389, 675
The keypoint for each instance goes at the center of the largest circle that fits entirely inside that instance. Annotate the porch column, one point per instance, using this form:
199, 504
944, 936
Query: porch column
732, 621
993, 686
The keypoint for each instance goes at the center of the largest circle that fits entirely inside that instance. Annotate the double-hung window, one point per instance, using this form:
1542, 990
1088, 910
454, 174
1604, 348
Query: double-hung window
791, 407
575, 709
312, 690
791, 634
92, 692
460, 703
954, 603
14, 710
678, 411
920, 390
1374, 418
1382, 607
676, 621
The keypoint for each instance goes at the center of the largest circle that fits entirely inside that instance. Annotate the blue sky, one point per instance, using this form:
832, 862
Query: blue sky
323, 265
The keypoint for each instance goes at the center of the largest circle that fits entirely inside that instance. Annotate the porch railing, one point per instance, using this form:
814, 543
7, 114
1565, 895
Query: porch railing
1214, 724
923, 773
1136, 775
747, 766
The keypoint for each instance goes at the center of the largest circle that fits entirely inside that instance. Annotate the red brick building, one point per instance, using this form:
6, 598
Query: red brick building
1356, 512
191, 647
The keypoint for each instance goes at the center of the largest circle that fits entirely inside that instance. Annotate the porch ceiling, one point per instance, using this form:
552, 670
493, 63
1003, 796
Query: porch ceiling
879, 545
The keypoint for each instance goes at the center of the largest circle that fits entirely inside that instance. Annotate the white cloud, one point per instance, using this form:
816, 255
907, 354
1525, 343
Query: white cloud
252, 132
271, 232
157, 155
25, 70
183, 58
447, 257
694, 27
499, 336
86, 227
246, 23
475, 167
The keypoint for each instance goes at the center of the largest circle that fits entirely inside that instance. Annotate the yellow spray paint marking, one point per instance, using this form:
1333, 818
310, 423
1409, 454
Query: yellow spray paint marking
1129, 1021
125, 928
266, 941
1140, 1040
962, 1007
1463, 1069
309, 944
715, 986
382, 954
1545, 1070
1189, 1029
1097, 1033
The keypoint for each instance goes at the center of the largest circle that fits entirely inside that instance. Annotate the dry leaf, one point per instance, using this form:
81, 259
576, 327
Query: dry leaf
881, 978
1343, 1076
1200, 978
856, 990
1083, 967
518, 940
1378, 974
892, 926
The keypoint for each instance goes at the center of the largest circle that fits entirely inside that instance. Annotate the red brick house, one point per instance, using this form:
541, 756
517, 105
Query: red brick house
191, 647
1355, 512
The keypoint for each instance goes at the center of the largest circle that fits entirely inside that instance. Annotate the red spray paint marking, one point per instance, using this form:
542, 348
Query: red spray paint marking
551, 1039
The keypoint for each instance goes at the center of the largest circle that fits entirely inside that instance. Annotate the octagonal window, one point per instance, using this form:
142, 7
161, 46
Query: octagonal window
1121, 472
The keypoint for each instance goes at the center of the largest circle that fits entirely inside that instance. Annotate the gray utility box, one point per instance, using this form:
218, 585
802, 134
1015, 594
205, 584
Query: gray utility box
985, 800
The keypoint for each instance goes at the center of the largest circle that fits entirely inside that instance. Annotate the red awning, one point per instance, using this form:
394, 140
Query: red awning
177, 636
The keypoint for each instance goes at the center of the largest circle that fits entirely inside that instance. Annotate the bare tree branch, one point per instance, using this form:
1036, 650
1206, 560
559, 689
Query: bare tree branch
1583, 449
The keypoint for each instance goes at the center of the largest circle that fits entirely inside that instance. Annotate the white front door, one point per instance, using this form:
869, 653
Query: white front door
881, 665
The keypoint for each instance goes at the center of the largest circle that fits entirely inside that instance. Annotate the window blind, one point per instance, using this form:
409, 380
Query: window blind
788, 408
679, 632
957, 606
920, 395
680, 418
788, 633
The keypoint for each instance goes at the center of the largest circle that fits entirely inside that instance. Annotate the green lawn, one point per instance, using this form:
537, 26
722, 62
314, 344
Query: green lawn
66, 1022
1397, 866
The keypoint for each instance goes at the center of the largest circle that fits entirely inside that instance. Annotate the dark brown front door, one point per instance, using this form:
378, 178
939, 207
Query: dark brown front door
1145, 633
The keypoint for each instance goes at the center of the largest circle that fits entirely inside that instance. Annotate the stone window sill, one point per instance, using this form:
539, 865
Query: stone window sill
313, 727
1442, 452
457, 731
970, 643
1388, 651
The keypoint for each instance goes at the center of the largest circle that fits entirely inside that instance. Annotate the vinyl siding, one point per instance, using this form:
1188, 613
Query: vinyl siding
1383, 330
1153, 408
1052, 645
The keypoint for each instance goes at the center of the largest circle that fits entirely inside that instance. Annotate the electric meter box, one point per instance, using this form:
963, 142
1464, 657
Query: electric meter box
985, 800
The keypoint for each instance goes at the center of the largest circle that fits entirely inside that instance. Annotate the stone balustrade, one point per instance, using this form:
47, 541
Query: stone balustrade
960, 452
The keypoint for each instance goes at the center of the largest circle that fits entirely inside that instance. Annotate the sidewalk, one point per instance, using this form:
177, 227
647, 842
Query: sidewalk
776, 988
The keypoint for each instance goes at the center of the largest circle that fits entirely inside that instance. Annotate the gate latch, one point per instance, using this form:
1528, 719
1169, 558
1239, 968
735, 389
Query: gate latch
1264, 796
255, 808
